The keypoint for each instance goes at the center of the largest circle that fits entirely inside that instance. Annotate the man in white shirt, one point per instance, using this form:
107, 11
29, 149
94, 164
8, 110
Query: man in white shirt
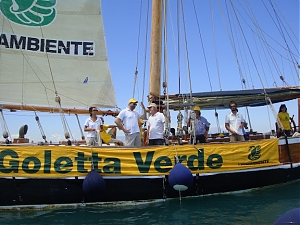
234, 123
127, 121
156, 122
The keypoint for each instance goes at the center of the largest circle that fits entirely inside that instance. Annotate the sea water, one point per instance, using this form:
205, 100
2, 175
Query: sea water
256, 207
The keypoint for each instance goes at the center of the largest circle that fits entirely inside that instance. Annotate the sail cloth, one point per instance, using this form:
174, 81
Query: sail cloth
221, 99
54, 46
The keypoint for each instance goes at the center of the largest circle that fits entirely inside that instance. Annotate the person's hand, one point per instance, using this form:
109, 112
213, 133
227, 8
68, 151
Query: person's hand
126, 131
233, 132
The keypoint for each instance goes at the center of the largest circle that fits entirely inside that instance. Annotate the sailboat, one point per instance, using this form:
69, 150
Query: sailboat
51, 61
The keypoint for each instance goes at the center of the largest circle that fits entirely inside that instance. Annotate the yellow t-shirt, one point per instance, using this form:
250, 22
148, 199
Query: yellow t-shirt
285, 120
105, 136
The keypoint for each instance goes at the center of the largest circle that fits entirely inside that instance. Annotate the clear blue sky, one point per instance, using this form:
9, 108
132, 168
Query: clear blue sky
121, 24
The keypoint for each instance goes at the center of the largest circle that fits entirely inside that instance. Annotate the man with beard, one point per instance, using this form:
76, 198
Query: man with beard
234, 123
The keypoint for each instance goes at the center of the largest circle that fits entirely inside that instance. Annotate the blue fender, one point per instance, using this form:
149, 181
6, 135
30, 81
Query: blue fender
180, 177
93, 183
290, 217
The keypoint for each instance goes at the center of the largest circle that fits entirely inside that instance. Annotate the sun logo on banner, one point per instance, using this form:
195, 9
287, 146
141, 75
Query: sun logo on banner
29, 12
254, 152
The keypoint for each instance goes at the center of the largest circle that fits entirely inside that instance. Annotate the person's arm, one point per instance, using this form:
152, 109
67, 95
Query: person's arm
87, 128
147, 136
206, 131
119, 124
144, 116
228, 128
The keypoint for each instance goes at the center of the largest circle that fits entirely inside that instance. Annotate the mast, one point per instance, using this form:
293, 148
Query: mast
156, 48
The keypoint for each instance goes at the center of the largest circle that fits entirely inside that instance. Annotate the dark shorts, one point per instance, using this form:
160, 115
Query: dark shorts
286, 132
199, 139
156, 141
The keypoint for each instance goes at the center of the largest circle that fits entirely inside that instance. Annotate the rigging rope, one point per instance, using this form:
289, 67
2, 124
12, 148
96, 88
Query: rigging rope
80, 127
187, 53
40, 127
137, 52
63, 118
166, 111
4, 126
282, 34
145, 55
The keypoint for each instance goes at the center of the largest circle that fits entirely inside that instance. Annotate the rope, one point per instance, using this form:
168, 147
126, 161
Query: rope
205, 58
4, 126
145, 55
187, 53
178, 52
281, 31
137, 59
80, 128
233, 45
63, 119
40, 127
166, 111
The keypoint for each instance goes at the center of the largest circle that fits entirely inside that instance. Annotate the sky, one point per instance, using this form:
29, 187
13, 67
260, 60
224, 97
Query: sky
128, 50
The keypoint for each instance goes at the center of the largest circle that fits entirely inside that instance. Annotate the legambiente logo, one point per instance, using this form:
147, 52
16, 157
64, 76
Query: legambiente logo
29, 12
254, 152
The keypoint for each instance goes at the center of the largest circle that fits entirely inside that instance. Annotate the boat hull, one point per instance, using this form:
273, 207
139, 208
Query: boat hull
32, 191
24, 191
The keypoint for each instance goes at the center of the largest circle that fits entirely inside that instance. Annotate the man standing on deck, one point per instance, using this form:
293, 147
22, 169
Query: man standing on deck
201, 127
127, 121
234, 123
156, 123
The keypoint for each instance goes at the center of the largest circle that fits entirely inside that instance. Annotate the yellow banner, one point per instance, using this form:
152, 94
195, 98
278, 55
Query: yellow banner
70, 161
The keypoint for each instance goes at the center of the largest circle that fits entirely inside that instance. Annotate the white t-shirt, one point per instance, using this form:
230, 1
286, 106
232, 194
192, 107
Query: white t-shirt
91, 124
234, 122
130, 120
156, 126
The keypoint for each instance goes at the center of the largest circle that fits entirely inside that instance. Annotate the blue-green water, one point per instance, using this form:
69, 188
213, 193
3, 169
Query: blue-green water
257, 207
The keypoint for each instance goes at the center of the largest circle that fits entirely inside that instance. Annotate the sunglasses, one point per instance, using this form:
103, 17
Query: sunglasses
233, 106
95, 110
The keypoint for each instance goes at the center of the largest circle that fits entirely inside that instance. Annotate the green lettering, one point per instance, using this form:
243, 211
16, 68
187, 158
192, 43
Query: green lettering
199, 158
214, 159
163, 161
115, 167
47, 160
61, 167
36, 164
96, 159
80, 162
14, 164
180, 158
143, 166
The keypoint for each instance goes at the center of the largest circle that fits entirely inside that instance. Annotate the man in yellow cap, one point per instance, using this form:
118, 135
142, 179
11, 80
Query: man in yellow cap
201, 126
127, 121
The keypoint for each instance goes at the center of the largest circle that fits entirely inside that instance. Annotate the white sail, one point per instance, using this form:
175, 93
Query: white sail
54, 46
